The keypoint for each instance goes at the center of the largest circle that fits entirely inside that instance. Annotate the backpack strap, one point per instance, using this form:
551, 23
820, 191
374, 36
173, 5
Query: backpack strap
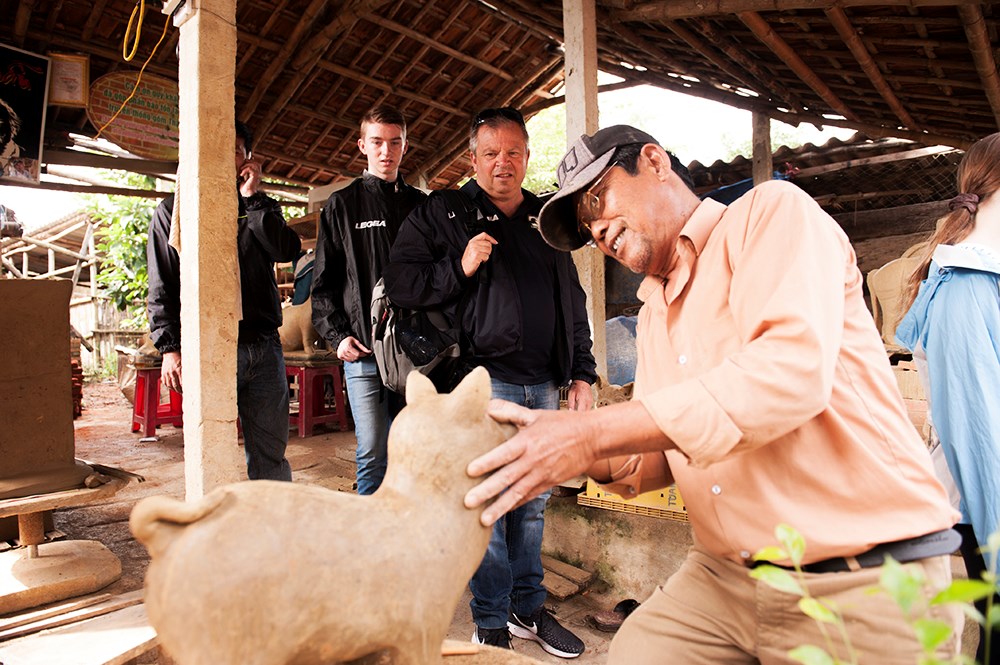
461, 206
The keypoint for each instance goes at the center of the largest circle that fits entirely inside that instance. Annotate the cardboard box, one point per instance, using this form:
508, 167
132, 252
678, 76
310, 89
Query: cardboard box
664, 504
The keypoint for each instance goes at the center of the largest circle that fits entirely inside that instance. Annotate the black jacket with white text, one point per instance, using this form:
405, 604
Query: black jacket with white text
358, 225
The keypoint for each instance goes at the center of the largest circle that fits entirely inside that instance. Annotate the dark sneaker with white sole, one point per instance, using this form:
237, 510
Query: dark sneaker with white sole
494, 637
543, 628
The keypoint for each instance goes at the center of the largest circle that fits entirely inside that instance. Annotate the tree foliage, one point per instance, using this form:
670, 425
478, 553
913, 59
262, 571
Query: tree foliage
122, 225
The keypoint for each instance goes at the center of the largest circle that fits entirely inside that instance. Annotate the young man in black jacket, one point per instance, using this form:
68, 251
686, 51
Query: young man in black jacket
261, 386
357, 226
524, 315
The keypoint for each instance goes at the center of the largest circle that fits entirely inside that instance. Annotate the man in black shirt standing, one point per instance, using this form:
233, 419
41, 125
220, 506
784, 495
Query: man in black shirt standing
263, 239
357, 227
523, 313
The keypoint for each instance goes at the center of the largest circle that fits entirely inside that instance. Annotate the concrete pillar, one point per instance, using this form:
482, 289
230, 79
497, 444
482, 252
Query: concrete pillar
763, 170
209, 267
580, 28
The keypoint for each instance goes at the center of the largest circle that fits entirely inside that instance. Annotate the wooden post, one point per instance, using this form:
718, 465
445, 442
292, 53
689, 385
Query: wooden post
762, 168
580, 28
92, 253
209, 266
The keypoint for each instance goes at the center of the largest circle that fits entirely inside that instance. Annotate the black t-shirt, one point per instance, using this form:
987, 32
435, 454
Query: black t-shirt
532, 263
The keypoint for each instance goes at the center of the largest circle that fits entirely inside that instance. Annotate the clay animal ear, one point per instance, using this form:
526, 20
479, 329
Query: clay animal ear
418, 388
472, 395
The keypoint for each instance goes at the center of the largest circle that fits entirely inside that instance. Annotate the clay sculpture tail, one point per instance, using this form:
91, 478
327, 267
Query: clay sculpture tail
156, 519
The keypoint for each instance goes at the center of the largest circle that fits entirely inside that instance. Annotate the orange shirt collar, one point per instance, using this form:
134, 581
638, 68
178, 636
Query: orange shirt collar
690, 243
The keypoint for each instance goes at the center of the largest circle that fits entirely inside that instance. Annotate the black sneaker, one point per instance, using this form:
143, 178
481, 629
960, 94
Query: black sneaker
494, 637
543, 628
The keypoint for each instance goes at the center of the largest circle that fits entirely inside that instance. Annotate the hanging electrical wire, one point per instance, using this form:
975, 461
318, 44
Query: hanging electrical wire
141, 7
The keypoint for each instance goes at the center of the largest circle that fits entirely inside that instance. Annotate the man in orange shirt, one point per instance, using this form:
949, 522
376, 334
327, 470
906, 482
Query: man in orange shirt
763, 390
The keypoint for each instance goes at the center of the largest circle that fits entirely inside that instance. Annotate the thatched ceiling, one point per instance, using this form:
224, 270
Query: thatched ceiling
307, 69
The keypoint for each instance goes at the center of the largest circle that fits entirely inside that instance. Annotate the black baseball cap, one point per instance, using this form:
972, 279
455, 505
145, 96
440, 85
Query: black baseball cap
581, 164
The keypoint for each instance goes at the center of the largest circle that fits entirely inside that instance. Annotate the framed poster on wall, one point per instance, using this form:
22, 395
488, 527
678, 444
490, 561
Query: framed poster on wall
70, 79
24, 87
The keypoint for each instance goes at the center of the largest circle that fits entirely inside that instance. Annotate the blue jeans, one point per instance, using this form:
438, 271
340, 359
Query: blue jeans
373, 407
510, 575
262, 402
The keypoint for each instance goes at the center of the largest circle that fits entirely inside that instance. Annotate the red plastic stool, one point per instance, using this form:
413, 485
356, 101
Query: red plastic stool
148, 412
313, 409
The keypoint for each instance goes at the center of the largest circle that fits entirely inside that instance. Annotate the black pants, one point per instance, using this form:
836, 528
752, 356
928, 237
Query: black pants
975, 566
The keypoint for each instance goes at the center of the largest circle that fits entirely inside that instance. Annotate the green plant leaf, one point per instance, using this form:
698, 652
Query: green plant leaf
931, 633
902, 584
974, 614
963, 591
792, 541
818, 610
770, 553
993, 618
777, 578
809, 654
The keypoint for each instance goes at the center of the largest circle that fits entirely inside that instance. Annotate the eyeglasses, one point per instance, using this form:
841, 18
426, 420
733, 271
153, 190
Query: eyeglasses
589, 207
506, 112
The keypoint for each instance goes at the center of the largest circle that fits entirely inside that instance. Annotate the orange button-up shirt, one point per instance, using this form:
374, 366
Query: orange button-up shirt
758, 358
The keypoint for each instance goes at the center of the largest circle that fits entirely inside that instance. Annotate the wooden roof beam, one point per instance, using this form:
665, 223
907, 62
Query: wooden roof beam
561, 99
838, 18
982, 55
740, 56
312, 53
404, 72
279, 61
438, 46
459, 145
749, 104
95, 14
780, 47
387, 87
681, 9
21, 20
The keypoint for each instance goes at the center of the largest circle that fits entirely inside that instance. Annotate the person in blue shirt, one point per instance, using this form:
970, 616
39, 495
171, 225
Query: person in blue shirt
954, 319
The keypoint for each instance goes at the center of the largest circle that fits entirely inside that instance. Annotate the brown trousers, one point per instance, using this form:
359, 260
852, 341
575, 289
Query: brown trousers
711, 612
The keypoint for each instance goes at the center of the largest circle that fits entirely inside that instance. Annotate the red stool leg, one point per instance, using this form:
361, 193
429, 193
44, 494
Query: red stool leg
137, 399
151, 403
298, 420
307, 402
177, 408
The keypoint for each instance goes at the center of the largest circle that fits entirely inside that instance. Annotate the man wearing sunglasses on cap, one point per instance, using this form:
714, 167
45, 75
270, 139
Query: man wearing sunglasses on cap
523, 313
764, 391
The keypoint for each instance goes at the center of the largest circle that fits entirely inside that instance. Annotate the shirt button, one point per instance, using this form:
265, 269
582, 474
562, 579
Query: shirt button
716, 490
745, 554
682, 360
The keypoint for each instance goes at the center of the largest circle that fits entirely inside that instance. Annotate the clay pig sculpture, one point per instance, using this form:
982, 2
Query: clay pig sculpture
269, 573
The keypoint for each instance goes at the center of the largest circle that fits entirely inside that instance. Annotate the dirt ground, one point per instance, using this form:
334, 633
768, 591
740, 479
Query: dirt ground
103, 435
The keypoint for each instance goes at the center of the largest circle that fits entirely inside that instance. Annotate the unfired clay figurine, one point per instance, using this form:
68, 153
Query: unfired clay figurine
297, 333
269, 573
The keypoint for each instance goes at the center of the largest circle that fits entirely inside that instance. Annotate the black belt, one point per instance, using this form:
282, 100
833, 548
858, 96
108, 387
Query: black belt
912, 549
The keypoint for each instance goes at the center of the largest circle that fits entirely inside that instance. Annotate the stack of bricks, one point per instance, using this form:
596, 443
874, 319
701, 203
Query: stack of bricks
76, 369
